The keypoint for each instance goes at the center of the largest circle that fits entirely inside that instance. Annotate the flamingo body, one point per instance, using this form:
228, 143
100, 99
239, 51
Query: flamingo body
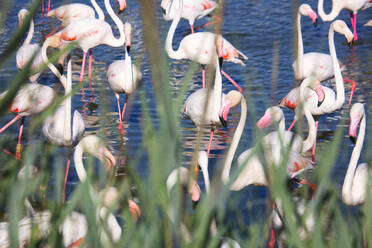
69, 13
118, 80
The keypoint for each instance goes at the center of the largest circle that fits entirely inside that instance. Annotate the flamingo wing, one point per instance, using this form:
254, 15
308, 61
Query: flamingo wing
292, 99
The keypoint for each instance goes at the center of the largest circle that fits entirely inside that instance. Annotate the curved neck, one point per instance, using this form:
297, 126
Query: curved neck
311, 137
234, 142
340, 91
112, 224
78, 160
169, 40
281, 127
30, 33
112, 41
328, 17
348, 181
98, 9
300, 48
216, 97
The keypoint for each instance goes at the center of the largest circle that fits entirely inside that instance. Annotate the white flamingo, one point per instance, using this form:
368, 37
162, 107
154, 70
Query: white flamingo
93, 145
60, 128
123, 76
31, 99
337, 5
201, 47
29, 50
354, 190
330, 101
191, 10
93, 32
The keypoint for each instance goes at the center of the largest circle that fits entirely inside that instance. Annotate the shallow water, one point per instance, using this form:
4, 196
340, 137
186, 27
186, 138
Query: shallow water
263, 30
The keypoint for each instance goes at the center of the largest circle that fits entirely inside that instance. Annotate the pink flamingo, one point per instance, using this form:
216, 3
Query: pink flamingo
73, 12
330, 102
337, 5
63, 128
31, 99
29, 50
191, 10
93, 32
210, 106
201, 48
123, 76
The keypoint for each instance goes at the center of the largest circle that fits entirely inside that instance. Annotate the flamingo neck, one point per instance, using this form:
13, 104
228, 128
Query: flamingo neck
111, 40
234, 142
98, 9
300, 49
169, 40
281, 127
67, 130
78, 160
348, 181
340, 91
128, 71
311, 137
30, 33
112, 224
334, 12
216, 97
206, 178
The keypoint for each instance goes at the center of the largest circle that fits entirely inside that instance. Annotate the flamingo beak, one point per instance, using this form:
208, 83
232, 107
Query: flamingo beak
349, 37
264, 121
313, 17
353, 129
122, 4
320, 93
109, 159
224, 111
134, 210
195, 193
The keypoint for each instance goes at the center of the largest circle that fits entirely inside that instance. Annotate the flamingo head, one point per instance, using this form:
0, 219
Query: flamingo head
127, 32
341, 27
122, 5
106, 157
232, 99
273, 113
356, 114
315, 85
21, 16
134, 210
171, 9
306, 10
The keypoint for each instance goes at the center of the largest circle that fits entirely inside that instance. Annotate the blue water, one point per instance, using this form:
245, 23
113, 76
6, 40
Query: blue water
257, 28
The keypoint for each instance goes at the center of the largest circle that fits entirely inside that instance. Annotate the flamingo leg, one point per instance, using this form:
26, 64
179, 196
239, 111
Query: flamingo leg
19, 145
203, 75
90, 69
53, 32
120, 127
42, 8
48, 5
10, 123
352, 18
82, 66
354, 27
271, 243
124, 107
232, 81
292, 124
353, 86
314, 146
192, 28
210, 142
65, 181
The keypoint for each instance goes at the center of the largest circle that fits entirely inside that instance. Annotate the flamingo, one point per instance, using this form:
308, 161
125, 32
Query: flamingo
60, 128
330, 101
354, 189
191, 10
93, 145
202, 115
123, 76
93, 32
337, 5
31, 99
252, 171
29, 50
201, 48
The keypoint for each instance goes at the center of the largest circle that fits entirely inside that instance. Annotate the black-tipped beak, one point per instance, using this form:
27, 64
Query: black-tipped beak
120, 11
220, 61
194, 204
128, 49
223, 122
350, 44
353, 139
315, 23
320, 103
60, 68
163, 10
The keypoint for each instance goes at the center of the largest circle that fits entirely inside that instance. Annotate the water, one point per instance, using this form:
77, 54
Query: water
259, 29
